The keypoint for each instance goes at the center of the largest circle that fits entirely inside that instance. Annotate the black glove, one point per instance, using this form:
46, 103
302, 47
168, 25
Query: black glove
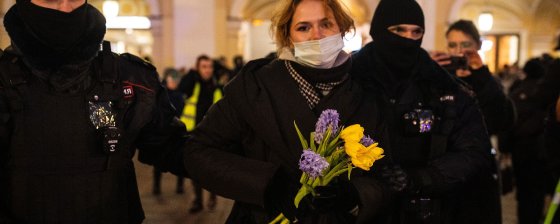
340, 196
397, 178
280, 194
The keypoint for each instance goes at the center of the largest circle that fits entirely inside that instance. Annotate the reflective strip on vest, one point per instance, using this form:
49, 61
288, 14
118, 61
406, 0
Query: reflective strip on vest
189, 111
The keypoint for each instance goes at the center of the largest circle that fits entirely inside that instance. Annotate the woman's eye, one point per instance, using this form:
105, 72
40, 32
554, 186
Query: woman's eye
466, 44
302, 28
326, 24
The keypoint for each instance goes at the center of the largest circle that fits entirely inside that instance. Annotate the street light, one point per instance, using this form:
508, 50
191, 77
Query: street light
111, 8
485, 21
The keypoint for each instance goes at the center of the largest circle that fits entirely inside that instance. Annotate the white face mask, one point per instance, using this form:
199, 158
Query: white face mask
319, 53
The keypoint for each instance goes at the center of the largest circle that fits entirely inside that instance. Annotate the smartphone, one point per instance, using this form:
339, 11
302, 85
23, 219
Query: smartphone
457, 62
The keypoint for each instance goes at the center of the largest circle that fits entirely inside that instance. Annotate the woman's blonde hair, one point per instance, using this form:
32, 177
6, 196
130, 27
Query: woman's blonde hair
282, 19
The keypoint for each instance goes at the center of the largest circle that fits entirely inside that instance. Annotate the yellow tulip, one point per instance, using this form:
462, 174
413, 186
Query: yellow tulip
352, 133
376, 151
363, 162
352, 148
361, 156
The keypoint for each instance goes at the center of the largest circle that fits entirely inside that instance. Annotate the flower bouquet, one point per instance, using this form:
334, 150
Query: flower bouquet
330, 152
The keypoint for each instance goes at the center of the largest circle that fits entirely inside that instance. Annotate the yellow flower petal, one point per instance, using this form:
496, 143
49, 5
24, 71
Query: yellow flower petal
364, 157
352, 148
352, 133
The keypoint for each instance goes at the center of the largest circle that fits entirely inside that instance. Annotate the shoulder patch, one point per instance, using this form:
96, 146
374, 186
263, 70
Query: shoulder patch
138, 60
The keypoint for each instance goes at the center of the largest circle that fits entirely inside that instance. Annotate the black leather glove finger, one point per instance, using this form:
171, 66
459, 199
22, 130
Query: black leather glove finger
280, 193
395, 177
340, 196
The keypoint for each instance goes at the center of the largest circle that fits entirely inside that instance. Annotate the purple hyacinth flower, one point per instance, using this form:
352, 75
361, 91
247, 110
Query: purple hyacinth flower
367, 141
328, 118
312, 163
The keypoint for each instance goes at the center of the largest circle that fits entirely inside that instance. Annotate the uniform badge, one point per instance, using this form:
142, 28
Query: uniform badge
128, 92
419, 121
447, 98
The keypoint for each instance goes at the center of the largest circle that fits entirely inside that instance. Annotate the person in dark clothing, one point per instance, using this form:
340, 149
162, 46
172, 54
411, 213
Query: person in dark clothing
548, 95
201, 90
170, 81
526, 144
442, 166
463, 41
247, 149
221, 72
72, 117
238, 63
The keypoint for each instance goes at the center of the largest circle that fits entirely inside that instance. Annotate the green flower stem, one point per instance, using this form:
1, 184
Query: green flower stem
301, 138
303, 191
323, 144
334, 170
553, 205
279, 219
304, 178
337, 174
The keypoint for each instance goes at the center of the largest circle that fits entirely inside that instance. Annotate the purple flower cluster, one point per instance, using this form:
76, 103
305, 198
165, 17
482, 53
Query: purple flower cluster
312, 163
328, 118
367, 141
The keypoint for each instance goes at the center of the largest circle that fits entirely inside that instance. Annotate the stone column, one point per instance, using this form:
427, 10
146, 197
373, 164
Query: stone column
194, 30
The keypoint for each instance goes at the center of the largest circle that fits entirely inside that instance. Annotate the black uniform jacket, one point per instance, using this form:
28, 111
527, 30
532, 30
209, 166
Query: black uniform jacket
54, 168
448, 158
248, 135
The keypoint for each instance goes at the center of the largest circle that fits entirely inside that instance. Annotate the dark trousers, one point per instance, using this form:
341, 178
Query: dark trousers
530, 192
157, 182
198, 194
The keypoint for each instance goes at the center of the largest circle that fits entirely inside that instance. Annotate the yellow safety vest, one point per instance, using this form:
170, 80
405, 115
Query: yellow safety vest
189, 111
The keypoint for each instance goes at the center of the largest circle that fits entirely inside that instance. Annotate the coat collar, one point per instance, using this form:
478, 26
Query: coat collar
279, 104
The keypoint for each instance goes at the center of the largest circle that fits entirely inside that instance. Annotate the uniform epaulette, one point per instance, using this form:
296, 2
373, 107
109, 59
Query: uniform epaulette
138, 60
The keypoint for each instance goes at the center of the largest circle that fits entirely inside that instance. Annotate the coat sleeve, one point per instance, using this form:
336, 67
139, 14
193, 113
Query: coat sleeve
5, 133
496, 107
469, 152
4, 127
214, 157
161, 140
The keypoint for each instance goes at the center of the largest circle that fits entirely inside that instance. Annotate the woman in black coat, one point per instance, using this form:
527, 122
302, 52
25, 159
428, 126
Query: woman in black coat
247, 149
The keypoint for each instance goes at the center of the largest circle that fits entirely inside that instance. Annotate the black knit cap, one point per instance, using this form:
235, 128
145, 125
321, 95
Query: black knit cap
393, 12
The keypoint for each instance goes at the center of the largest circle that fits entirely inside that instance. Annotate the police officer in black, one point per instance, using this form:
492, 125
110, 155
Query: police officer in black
71, 117
440, 150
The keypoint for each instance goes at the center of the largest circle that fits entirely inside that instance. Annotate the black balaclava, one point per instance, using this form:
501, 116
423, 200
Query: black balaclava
59, 30
49, 38
400, 54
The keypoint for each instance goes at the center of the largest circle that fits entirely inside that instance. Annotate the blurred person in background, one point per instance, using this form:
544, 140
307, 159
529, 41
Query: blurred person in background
238, 63
170, 81
525, 142
548, 94
201, 90
462, 59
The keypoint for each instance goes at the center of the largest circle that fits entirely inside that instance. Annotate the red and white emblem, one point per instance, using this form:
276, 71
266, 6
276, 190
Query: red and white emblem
128, 92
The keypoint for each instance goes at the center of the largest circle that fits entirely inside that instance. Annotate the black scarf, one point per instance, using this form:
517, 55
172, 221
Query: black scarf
57, 46
49, 39
315, 83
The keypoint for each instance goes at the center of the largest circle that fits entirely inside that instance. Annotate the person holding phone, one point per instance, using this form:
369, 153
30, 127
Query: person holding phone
462, 59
